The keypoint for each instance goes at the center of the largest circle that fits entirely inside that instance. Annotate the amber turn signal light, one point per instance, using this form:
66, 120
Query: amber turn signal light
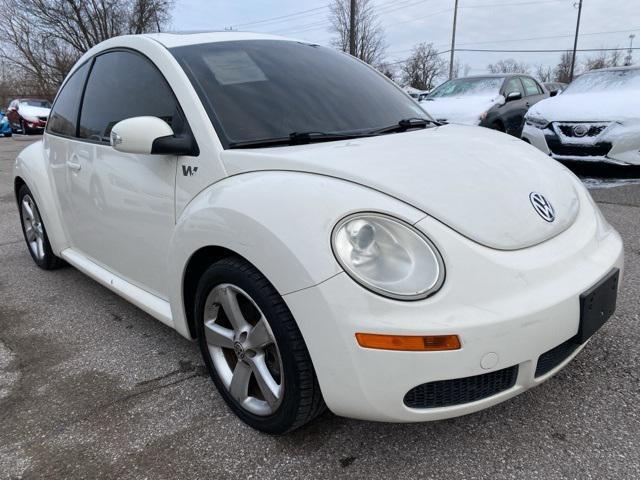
409, 343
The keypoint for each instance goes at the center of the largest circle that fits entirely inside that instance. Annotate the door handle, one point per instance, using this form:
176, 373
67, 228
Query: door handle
74, 165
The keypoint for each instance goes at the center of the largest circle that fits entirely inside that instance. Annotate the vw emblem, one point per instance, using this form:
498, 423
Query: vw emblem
542, 206
580, 130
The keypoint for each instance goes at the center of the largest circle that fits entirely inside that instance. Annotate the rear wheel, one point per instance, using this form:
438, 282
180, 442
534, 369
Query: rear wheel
254, 350
35, 233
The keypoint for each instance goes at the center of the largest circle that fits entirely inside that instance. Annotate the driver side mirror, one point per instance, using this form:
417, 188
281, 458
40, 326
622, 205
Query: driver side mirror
513, 96
150, 136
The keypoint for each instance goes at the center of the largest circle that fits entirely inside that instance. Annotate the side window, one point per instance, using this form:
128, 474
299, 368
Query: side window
123, 85
531, 86
513, 85
64, 115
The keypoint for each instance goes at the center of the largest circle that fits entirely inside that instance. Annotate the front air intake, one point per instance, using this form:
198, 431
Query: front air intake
446, 393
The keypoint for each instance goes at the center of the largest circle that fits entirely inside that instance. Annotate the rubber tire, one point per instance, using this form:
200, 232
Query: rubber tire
50, 261
8, 134
302, 400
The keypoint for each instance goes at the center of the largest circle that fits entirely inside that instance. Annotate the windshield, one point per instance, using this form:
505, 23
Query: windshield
268, 89
468, 86
36, 103
605, 80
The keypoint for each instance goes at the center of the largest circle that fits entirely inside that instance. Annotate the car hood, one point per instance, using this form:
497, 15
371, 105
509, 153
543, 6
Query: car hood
589, 107
30, 111
474, 180
465, 110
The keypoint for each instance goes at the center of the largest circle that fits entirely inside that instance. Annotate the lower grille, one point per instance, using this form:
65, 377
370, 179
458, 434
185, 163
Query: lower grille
446, 393
597, 150
554, 357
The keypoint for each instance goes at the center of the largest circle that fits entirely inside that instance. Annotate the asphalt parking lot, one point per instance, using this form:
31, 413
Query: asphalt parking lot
92, 387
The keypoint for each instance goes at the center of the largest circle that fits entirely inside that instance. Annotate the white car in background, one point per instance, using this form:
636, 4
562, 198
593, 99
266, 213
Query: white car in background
597, 118
319, 235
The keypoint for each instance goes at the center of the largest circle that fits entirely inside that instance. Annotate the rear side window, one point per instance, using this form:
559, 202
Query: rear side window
64, 116
530, 86
123, 85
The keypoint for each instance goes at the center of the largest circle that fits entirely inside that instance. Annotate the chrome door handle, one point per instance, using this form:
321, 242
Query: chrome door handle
75, 166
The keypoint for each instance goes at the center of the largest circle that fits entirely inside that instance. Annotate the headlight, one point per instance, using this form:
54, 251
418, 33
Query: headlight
388, 256
537, 122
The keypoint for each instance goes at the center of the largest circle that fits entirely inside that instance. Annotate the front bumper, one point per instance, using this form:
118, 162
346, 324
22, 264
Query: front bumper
508, 308
618, 144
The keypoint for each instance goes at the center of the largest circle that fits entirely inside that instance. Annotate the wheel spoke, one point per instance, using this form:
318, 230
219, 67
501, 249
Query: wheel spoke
229, 301
239, 387
30, 232
268, 386
217, 335
40, 246
27, 210
259, 336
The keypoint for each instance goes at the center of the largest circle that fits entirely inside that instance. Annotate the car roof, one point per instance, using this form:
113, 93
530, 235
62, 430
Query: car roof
182, 38
497, 75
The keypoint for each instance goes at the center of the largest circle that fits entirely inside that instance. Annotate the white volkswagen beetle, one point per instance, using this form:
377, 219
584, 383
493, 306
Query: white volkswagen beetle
322, 238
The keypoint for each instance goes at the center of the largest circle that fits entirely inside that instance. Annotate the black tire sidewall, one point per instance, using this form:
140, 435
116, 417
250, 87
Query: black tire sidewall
285, 416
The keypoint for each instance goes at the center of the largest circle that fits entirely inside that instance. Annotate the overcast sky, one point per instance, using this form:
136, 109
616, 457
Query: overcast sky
483, 24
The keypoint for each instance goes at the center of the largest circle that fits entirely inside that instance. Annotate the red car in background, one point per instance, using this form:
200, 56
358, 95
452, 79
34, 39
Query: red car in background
27, 115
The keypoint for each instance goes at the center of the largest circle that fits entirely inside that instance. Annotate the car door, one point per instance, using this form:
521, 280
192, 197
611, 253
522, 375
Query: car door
123, 204
512, 112
533, 91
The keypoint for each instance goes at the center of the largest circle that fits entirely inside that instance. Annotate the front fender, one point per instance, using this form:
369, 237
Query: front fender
31, 166
280, 221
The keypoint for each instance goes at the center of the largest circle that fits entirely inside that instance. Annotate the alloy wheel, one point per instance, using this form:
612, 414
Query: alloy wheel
243, 350
33, 228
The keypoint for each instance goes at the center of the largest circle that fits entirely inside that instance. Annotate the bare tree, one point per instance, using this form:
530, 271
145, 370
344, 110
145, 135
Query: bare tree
387, 70
460, 70
423, 68
544, 73
562, 71
604, 59
369, 35
508, 65
42, 39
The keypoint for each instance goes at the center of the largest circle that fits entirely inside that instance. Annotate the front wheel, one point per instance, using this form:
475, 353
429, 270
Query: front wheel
498, 126
254, 350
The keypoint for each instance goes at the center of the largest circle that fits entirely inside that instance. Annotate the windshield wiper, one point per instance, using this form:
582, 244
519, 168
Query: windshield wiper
303, 138
298, 138
404, 125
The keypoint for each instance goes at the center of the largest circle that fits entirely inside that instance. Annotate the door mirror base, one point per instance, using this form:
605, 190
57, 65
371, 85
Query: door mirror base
175, 145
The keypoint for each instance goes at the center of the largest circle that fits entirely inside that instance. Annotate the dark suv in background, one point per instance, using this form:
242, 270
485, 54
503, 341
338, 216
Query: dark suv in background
494, 101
